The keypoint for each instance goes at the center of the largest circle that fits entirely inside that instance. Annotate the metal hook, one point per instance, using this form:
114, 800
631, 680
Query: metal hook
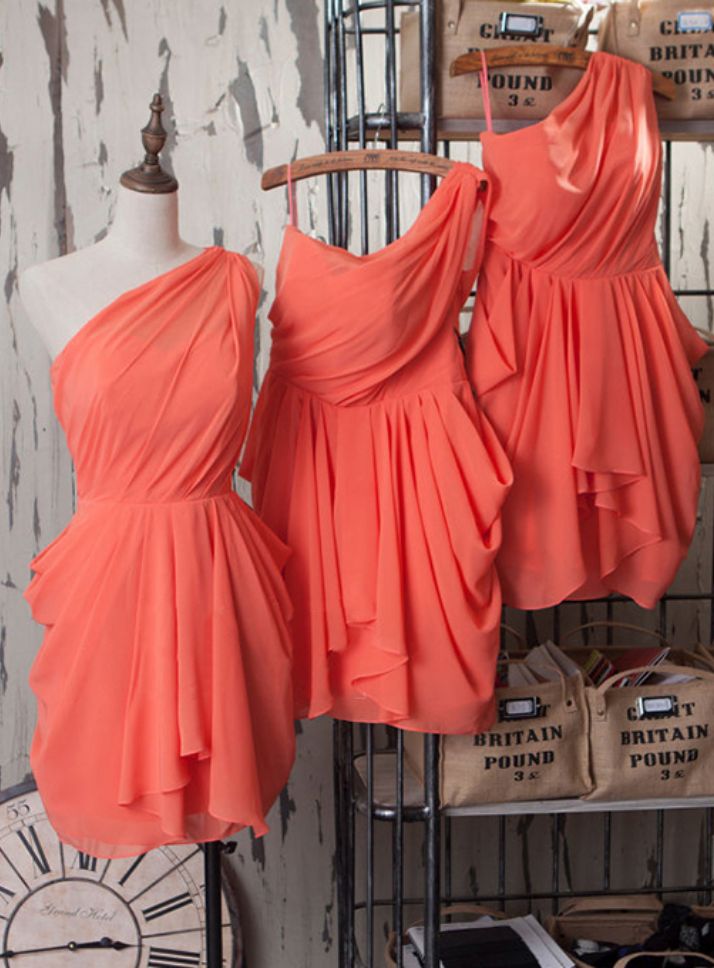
381, 121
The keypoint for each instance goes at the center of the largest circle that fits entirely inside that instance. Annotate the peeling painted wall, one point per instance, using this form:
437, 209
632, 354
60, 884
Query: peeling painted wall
242, 85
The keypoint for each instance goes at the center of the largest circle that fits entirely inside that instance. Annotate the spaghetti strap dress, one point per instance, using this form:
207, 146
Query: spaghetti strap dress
369, 458
163, 682
579, 353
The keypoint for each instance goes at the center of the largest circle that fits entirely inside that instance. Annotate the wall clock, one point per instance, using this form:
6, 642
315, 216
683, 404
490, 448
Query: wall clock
59, 907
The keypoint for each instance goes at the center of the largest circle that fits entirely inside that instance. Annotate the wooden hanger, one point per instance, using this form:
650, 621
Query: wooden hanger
388, 159
548, 55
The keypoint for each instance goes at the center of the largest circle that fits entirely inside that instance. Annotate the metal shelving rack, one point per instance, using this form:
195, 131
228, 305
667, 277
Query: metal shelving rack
372, 783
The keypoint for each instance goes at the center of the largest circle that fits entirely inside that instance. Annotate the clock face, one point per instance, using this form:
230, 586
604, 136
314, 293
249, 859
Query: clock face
60, 907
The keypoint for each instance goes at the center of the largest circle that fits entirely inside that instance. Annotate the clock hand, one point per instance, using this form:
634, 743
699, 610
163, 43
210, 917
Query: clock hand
71, 946
102, 943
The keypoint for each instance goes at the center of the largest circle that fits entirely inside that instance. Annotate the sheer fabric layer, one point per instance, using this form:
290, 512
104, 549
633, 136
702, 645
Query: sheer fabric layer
368, 456
580, 355
163, 679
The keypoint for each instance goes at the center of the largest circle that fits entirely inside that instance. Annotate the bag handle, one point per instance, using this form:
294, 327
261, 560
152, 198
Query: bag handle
465, 908
616, 625
510, 630
580, 37
453, 10
700, 656
631, 959
677, 670
634, 18
597, 905
702, 653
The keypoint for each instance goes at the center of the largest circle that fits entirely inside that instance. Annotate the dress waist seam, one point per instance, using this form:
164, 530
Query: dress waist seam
396, 398
90, 502
604, 276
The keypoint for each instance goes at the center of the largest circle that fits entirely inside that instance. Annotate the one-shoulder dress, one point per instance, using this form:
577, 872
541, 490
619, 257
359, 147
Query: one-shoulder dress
579, 353
369, 458
163, 679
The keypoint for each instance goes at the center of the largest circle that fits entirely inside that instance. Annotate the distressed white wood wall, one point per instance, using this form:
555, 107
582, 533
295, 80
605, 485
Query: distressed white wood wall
242, 83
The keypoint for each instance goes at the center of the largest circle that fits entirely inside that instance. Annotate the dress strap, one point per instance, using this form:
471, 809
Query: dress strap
291, 196
486, 94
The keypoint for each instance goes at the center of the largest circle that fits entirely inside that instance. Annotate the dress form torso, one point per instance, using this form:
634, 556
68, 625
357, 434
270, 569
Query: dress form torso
143, 241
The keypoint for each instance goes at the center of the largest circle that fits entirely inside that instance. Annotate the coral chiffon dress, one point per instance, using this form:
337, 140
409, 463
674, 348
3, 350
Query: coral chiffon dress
370, 459
579, 353
163, 678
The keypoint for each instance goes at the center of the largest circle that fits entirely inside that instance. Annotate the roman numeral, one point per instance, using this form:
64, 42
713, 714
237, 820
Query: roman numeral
6, 894
86, 862
34, 849
130, 870
167, 906
172, 958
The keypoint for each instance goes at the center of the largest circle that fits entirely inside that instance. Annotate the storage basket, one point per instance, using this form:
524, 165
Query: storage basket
473, 910
653, 741
537, 749
628, 919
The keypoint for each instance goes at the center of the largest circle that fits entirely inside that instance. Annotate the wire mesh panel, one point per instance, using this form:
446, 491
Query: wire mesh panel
399, 857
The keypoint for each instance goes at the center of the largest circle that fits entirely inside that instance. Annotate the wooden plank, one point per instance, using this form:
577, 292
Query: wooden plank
37, 482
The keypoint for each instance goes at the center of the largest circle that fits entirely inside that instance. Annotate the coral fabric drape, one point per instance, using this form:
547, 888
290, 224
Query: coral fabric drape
368, 456
163, 679
579, 353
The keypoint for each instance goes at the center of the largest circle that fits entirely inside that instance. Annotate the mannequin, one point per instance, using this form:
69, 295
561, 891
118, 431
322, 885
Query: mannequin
61, 297
143, 241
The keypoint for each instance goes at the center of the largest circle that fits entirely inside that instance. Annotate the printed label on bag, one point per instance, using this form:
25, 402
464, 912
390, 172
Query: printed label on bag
691, 21
649, 707
682, 63
518, 761
515, 737
653, 705
664, 734
669, 760
684, 52
521, 89
527, 708
520, 25
493, 32
521, 763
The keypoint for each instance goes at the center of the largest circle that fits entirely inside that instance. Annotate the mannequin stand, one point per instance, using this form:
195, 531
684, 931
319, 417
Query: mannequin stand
212, 866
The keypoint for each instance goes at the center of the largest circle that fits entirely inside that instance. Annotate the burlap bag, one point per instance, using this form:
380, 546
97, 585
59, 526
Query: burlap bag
646, 31
465, 25
664, 750
542, 756
617, 920
473, 910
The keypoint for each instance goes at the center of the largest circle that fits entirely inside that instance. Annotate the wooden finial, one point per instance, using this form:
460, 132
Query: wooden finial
149, 176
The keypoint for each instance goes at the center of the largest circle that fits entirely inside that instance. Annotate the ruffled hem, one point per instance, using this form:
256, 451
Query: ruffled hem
588, 383
163, 679
393, 514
